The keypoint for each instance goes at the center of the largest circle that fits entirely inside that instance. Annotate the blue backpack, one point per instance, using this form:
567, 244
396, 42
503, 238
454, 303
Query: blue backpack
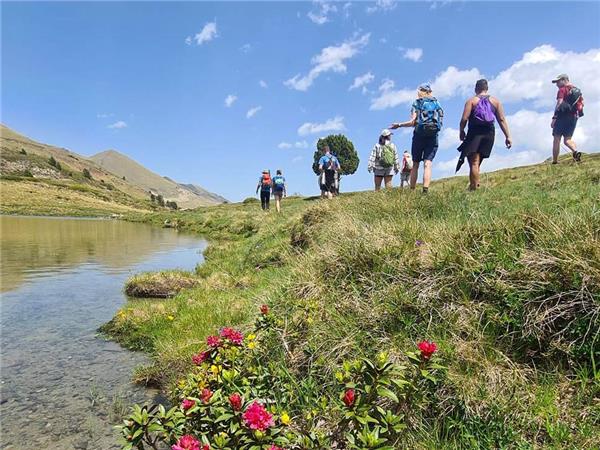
430, 116
278, 182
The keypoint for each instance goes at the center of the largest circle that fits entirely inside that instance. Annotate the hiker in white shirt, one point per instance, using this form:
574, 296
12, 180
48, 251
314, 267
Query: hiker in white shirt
384, 161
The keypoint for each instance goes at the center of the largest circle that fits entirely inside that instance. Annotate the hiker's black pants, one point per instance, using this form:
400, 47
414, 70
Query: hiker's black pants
265, 196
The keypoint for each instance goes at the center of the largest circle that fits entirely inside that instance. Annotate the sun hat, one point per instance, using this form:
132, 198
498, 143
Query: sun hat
425, 87
562, 76
385, 132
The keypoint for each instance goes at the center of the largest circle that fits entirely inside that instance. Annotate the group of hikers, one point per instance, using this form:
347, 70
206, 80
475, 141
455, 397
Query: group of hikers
479, 116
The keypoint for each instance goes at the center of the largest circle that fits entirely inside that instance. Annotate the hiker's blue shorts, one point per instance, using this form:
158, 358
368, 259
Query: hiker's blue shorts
424, 147
564, 126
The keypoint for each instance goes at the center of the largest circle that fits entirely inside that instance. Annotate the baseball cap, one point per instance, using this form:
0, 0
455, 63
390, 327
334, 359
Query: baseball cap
425, 87
562, 76
385, 132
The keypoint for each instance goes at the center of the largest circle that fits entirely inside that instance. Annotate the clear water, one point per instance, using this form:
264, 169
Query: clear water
63, 386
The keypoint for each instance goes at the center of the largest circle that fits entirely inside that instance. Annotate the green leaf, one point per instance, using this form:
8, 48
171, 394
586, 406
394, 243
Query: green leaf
385, 392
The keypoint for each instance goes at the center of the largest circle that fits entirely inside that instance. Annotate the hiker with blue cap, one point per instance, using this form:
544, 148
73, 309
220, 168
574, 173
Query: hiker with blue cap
480, 112
426, 117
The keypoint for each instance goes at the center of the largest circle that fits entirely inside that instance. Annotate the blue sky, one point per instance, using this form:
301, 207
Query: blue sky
152, 79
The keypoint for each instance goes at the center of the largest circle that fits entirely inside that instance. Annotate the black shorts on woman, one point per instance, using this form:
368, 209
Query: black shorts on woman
479, 139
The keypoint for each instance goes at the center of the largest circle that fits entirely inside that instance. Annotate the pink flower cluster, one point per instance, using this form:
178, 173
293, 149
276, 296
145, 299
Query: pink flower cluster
206, 395
257, 417
235, 400
200, 358
189, 442
213, 341
187, 404
233, 336
427, 349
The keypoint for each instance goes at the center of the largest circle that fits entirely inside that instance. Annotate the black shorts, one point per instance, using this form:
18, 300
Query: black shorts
329, 185
479, 142
424, 147
565, 126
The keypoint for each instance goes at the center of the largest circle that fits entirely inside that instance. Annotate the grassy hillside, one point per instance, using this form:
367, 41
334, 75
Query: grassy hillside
36, 178
147, 180
505, 280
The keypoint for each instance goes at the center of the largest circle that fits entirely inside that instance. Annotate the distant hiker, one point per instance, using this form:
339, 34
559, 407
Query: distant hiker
406, 166
569, 108
264, 185
384, 161
480, 112
279, 189
427, 117
328, 169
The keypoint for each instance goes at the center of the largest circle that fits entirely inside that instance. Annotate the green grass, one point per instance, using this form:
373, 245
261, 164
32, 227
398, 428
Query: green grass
506, 281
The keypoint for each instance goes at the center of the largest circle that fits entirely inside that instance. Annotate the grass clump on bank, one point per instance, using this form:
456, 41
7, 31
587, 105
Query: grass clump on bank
506, 281
162, 284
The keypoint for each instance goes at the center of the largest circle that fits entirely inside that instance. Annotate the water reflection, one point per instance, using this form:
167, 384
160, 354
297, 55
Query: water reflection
63, 387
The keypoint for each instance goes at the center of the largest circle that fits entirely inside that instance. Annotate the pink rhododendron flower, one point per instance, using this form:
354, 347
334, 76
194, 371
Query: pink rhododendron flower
200, 358
235, 400
232, 335
427, 349
274, 447
213, 341
187, 404
349, 397
188, 442
264, 309
206, 395
257, 417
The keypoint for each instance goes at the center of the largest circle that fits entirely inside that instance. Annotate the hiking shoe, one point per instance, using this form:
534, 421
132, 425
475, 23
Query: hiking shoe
577, 156
425, 190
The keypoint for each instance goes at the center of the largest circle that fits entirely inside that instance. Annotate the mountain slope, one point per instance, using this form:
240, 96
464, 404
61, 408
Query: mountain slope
43, 179
186, 196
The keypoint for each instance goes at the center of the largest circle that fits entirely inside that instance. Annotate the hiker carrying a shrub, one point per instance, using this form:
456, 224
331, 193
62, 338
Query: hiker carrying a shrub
329, 166
384, 161
569, 108
279, 189
480, 112
406, 166
264, 186
426, 117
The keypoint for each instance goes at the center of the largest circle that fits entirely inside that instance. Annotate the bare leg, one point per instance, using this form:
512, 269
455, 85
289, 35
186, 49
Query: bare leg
570, 143
414, 174
474, 163
378, 182
388, 181
555, 149
278, 203
426, 174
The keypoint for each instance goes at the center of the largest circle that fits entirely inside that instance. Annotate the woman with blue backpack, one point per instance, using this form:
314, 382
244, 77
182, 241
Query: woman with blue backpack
480, 112
427, 118
279, 189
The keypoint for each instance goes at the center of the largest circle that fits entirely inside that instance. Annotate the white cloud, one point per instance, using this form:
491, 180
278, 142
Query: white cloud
381, 5
335, 124
252, 111
104, 115
263, 84
449, 138
448, 83
297, 144
362, 81
331, 59
324, 9
245, 48
230, 100
414, 54
530, 77
117, 125
208, 33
